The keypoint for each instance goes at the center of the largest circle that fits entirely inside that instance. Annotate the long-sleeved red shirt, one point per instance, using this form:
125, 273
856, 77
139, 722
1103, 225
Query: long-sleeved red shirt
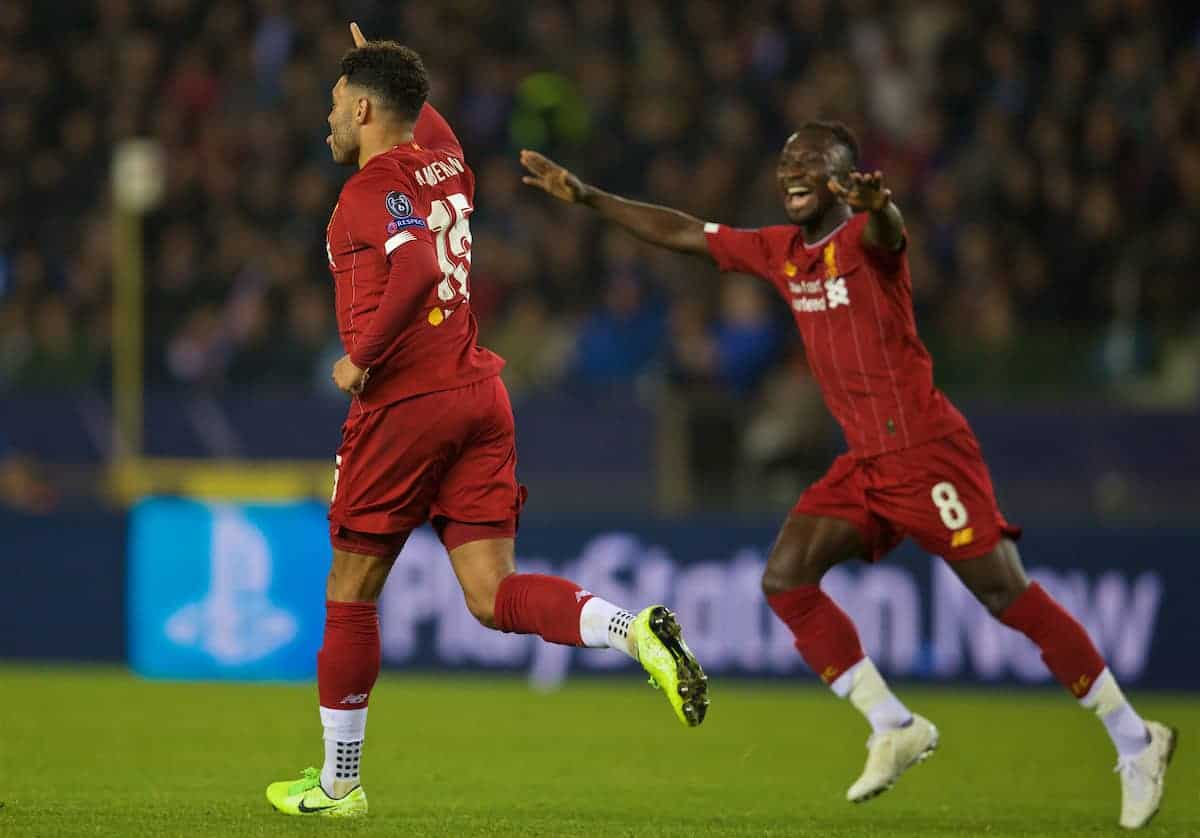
399, 249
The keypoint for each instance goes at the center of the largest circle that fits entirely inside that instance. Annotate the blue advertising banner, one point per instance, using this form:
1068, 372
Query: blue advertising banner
237, 592
223, 591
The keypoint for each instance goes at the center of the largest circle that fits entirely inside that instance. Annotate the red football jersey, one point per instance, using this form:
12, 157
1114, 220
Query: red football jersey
412, 203
853, 306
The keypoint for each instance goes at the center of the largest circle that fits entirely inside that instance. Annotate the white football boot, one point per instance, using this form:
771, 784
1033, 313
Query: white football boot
891, 754
1142, 777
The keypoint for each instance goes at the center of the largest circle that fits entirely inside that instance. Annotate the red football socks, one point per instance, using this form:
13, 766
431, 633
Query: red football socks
533, 603
1066, 648
825, 636
349, 659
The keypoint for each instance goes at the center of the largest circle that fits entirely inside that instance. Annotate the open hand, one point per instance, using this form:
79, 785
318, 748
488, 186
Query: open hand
359, 38
862, 192
550, 177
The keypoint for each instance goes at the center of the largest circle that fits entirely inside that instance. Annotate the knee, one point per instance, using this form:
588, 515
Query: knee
482, 608
791, 567
481, 599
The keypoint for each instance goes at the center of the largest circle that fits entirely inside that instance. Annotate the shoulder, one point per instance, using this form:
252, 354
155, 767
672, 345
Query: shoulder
854, 227
385, 182
784, 235
382, 173
850, 237
780, 235
775, 232
851, 243
382, 200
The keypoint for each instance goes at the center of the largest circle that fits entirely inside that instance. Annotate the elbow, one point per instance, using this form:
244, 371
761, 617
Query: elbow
687, 240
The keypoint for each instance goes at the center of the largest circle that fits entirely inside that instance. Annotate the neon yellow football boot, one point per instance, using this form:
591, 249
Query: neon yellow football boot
670, 663
306, 797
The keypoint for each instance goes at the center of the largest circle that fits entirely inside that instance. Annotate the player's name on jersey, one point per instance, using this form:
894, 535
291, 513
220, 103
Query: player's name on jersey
439, 170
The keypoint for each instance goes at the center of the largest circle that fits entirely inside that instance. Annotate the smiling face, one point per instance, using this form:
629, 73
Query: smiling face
808, 161
343, 139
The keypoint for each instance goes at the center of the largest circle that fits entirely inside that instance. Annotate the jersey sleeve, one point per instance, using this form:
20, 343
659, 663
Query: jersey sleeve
411, 273
432, 131
382, 212
890, 263
743, 251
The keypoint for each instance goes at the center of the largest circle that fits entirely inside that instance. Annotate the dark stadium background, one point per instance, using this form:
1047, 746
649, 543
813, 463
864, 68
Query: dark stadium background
1047, 158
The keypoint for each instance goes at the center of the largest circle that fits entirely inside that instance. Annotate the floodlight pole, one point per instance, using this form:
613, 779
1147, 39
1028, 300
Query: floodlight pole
138, 182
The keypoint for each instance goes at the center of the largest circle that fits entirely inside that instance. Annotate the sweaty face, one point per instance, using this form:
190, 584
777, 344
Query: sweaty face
803, 173
343, 130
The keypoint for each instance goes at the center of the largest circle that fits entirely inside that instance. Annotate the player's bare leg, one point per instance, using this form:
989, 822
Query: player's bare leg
559, 611
807, 547
1144, 749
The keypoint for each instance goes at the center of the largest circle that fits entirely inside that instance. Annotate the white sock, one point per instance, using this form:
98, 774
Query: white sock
1125, 727
344, 733
867, 691
604, 625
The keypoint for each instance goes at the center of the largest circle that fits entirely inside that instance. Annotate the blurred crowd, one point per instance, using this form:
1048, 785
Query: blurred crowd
1046, 156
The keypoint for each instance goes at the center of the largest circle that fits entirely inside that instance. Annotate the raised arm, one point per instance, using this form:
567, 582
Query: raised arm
884, 229
662, 226
434, 132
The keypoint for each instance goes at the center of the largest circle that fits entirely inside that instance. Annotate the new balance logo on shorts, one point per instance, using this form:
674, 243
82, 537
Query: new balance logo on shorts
354, 698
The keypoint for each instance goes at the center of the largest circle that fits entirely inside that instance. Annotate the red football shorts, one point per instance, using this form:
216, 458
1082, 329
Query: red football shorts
447, 457
939, 493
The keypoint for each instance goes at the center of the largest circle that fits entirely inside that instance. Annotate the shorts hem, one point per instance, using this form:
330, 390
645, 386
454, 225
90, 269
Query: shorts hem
382, 545
373, 529
455, 534
984, 546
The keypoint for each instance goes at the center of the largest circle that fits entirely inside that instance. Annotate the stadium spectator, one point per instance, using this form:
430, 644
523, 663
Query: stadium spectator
1002, 128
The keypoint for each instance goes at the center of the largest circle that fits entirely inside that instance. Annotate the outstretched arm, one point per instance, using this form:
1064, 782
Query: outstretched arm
662, 226
884, 229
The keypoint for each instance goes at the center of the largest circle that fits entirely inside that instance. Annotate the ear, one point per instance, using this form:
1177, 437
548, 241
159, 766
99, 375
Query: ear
362, 109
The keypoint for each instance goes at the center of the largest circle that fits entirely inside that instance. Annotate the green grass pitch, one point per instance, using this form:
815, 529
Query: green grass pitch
96, 752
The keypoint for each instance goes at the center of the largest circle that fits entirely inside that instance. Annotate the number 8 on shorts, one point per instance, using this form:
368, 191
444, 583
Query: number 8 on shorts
945, 498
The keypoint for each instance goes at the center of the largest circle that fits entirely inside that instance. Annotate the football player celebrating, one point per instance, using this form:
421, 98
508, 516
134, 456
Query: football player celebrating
914, 468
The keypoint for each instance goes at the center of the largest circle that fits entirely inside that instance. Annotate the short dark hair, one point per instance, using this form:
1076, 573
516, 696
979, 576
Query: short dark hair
839, 134
392, 72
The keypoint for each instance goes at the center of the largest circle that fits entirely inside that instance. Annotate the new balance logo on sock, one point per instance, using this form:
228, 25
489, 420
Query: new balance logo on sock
580, 594
355, 698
